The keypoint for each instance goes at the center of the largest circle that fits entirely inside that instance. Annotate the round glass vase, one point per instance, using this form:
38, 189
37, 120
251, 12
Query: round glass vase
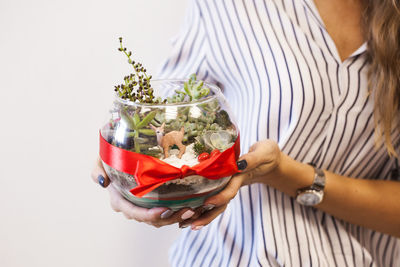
206, 125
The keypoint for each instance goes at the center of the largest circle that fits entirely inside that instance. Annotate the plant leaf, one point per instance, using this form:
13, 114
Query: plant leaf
192, 77
198, 85
147, 132
185, 86
136, 119
127, 119
147, 120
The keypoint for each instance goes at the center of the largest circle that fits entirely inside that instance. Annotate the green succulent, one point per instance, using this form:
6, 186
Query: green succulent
212, 106
209, 120
138, 126
220, 140
193, 89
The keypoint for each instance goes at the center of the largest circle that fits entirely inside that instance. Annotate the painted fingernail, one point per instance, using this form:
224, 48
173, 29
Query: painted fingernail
241, 164
184, 225
101, 180
198, 227
208, 207
166, 214
188, 214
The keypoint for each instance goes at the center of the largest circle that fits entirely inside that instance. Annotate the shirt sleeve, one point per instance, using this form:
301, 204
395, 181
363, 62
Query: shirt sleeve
189, 53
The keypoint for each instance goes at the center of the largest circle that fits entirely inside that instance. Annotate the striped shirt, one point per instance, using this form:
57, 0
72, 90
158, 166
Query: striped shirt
284, 79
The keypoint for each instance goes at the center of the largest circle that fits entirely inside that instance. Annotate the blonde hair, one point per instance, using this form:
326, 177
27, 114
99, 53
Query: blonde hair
381, 21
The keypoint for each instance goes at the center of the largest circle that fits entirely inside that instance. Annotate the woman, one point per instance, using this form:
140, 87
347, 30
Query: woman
310, 82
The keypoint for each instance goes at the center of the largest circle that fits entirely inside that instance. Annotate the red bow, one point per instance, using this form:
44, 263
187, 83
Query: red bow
150, 172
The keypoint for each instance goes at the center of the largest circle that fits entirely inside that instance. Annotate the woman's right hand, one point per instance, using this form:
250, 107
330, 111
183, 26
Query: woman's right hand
159, 216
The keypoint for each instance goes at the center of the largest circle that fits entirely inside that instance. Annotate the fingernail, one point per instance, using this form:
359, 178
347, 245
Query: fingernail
101, 180
166, 214
198, 227
208, 207
188, 214
184, 225
242, 164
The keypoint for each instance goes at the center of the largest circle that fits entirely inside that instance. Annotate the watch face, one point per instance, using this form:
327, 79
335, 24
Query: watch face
309, 197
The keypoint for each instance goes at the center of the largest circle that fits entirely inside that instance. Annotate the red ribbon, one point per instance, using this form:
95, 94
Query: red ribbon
150, 172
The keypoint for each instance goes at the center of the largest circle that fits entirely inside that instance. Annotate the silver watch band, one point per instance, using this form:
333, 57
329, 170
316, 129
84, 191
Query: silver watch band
319, 178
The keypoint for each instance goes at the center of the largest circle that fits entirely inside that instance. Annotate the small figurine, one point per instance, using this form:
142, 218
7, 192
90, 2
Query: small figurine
169, 139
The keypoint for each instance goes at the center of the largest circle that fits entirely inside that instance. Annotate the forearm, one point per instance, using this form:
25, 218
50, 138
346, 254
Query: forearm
374, 204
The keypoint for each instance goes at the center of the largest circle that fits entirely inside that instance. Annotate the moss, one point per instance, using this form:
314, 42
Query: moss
200, 148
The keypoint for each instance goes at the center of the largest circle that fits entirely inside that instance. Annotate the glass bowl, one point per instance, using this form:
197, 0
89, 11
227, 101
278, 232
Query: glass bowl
175, 133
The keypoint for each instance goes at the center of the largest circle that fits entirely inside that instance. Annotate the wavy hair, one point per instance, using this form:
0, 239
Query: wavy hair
381, 21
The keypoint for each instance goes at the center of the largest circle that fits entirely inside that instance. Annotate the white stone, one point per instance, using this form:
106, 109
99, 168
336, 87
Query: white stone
189, 158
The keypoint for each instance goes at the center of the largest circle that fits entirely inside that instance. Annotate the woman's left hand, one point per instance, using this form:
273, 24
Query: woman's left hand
256, 166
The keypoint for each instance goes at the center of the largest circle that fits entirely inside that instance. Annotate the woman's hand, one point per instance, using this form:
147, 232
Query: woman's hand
371, 203
155, 216
256, 166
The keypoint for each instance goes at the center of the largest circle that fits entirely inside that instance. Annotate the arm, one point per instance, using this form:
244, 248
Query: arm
370, 203
374, 204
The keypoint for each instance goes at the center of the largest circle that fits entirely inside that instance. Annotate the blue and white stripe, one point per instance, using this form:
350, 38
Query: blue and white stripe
284, 79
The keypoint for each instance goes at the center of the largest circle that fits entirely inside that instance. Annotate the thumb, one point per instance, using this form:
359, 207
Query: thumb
262, 152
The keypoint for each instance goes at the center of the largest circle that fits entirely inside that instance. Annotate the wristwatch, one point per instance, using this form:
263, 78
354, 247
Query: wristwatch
313, 194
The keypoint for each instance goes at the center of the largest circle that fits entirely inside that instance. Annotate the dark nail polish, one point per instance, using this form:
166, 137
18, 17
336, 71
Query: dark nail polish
184, 225
242, 164
101, 180
166, 214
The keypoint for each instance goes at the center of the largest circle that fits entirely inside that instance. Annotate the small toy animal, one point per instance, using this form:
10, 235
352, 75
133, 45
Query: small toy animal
169, 139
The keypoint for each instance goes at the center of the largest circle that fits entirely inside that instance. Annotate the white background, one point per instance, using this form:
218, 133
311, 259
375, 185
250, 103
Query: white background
58, 65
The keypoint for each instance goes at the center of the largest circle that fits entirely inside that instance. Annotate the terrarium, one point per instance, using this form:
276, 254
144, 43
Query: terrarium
169, 143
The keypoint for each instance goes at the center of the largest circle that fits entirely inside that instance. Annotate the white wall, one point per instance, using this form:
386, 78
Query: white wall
58, 64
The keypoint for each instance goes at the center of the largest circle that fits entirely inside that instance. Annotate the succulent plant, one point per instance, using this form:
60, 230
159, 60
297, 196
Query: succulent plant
193, 90
220, 140
137, 125
205, 119
211, 107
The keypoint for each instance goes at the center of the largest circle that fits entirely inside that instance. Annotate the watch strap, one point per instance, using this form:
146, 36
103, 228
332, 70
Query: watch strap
319, 179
